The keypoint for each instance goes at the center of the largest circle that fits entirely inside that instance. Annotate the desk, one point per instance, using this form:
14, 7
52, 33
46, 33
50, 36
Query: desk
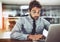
13, 40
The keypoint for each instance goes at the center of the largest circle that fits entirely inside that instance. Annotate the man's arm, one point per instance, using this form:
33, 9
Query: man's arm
17, 32
46, 24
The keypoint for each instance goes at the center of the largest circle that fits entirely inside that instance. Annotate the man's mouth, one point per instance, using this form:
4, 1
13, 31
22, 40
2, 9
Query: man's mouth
36, 17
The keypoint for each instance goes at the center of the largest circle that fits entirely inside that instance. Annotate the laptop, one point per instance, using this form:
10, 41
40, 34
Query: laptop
53, 33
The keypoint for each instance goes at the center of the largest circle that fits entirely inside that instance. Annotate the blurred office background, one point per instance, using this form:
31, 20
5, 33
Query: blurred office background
12, 10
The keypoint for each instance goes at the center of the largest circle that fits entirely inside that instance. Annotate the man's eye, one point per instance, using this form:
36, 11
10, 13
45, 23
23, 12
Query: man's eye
38, 12
34, 12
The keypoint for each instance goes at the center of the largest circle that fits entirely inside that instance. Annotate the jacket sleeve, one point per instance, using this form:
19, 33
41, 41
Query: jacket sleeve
17, 32
46, 24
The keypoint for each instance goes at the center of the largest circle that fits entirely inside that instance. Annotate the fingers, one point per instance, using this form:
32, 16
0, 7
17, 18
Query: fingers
35, 37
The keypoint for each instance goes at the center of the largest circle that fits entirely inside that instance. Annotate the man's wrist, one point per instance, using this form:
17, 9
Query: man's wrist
28, 37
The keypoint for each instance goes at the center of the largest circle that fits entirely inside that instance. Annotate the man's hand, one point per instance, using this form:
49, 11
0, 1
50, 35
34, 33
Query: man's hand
38, 37
35, 37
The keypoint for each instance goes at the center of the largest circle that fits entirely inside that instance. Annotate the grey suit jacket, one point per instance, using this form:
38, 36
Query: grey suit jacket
24, 27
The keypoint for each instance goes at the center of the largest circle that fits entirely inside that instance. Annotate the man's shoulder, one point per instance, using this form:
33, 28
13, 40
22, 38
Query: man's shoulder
42, 19
22, 18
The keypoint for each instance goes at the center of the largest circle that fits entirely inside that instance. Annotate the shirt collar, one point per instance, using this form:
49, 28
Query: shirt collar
30, 18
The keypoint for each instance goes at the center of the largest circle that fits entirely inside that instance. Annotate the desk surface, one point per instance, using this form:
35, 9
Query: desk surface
13, 40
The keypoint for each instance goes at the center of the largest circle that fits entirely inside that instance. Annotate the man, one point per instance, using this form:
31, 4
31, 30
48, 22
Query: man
30, 27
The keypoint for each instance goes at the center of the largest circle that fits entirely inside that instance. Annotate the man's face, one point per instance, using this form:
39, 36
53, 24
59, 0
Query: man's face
35, 12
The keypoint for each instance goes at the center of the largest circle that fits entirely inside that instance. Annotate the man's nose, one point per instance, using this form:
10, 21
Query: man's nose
36, 14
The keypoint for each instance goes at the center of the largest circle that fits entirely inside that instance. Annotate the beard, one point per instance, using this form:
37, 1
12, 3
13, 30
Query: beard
35, 17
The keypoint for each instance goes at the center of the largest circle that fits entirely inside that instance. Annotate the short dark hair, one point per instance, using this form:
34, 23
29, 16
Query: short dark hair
34, 4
